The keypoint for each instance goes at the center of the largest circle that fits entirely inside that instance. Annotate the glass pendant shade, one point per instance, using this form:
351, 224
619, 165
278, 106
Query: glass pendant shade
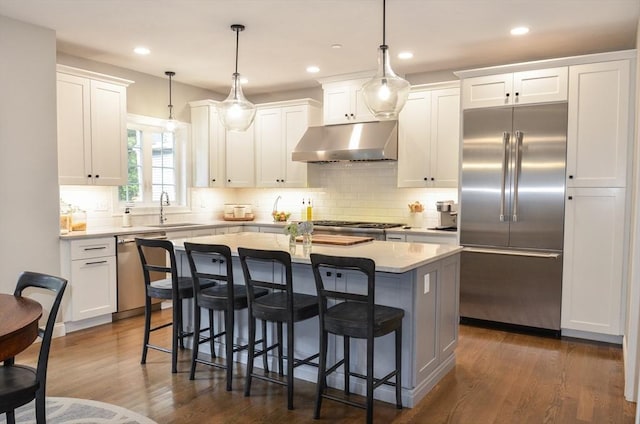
386, 93
236, 112
170, 125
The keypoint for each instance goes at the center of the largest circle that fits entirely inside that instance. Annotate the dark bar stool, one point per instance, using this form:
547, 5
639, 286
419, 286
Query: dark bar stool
224, 296
357, 316
174, 288
282, 305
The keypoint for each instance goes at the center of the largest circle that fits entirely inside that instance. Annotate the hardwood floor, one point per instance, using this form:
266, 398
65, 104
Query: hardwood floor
499, 378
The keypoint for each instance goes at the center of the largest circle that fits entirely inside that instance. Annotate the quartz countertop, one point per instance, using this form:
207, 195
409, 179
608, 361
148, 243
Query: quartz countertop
151, 228
394, 257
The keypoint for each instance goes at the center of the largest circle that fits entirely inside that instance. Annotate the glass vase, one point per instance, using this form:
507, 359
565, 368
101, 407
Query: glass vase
292, 243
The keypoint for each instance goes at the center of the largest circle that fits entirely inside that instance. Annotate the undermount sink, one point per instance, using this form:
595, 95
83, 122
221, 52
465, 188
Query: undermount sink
174, 224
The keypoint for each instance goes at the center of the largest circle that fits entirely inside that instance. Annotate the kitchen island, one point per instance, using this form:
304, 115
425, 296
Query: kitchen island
422, 279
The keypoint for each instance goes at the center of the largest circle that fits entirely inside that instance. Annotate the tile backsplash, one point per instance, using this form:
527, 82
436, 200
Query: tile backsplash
342, 190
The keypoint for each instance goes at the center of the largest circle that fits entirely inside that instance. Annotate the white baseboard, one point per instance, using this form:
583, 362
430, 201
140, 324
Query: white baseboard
86, 323
607, 338
59, 330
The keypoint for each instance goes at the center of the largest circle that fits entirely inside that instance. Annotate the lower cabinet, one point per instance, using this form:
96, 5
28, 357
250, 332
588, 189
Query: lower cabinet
593, 266
449, 238
90, 267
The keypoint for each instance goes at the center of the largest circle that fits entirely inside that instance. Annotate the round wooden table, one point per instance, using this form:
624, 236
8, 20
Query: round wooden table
18, 324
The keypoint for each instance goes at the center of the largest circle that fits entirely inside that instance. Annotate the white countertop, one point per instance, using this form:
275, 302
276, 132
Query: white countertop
394, 257
117, 231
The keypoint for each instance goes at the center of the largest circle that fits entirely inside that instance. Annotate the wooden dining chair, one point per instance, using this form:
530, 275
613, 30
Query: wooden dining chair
20, 384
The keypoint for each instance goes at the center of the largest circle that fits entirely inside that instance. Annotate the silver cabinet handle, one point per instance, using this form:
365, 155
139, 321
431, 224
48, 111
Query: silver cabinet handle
516, 177
94, 248
95, 263
505, 163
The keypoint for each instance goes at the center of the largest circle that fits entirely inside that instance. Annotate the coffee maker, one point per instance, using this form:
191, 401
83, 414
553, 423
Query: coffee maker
448, 215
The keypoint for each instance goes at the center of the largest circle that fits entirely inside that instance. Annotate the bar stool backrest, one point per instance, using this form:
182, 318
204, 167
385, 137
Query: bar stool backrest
249, 258
149, 267
197, 252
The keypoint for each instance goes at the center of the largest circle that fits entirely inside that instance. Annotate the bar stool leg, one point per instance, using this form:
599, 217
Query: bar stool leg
265, 359
228, 337
347, 364
280, 353
370, 380
322, 369
399, 368
212, 333
290, 359
147, 328
180, 324
250, 354
196, 340
175, 330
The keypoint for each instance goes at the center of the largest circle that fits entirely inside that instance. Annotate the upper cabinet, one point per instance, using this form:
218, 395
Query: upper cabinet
208, 144
537, 86
279, 128
92, 128
344, 103
429, 138
598, 128
220, 158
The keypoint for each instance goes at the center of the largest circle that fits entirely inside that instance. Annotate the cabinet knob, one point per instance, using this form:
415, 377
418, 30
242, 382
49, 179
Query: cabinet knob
352, 115
214, 261
571, 177
433, 179
89, 176
282, 180
213, 180
426, 179
97, 176
346, 115
507, 95
339, 275
570, 197
221, 261
328, 273
517, 93
228, 181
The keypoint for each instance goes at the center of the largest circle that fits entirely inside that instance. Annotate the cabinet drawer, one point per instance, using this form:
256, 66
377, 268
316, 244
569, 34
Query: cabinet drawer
93, 248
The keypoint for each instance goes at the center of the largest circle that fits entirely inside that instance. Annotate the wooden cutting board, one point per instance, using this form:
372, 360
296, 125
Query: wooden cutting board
336, 240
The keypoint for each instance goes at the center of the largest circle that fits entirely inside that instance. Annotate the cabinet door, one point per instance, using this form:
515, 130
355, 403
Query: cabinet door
93, 287
240, 158
414, 140
593, 260
426, 311
540, 86
448, 314
208, 137
359, 106
487, 91
108, 133
598, 129
445, 137
74, 136
270, 149
337, 107
295, 121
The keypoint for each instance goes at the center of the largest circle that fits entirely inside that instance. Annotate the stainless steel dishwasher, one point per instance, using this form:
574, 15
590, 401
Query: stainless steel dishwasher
131, 295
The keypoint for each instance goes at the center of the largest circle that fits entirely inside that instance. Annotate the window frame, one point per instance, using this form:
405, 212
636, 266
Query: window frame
182, 204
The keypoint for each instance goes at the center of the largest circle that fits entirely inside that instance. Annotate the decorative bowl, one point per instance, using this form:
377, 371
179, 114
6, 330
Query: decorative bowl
281, 216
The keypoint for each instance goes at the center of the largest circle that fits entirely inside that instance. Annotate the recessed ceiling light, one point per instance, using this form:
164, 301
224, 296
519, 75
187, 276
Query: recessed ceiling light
519, 30
336, 46
243, 80
313, 69
405, 55
141, 50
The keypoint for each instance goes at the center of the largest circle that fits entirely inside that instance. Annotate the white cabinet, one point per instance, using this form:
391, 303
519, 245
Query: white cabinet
592, 281
537, 86
208, 145
279, 128
429, 138
598, 128
92, 128
433, 238
240, 161
90, 267
344, 103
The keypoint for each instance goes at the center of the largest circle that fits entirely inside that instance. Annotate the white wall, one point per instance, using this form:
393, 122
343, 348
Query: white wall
28, 158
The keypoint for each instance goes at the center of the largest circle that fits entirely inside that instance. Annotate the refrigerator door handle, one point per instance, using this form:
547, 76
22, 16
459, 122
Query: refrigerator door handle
505, 163
513, 252
516, 177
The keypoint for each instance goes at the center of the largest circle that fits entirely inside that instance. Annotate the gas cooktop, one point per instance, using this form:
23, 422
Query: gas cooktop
357, 224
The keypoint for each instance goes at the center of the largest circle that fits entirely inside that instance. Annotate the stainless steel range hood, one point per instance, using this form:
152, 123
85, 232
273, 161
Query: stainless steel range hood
366, 141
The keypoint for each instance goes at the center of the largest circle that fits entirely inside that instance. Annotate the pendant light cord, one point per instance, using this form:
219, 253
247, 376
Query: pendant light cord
235, 74
384, 46
170, 102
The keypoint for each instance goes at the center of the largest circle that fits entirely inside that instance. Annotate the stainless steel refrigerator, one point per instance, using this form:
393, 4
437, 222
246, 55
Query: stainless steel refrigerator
511, 215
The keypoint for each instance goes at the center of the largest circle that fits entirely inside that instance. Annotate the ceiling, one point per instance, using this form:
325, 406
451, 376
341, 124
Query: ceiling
283, 37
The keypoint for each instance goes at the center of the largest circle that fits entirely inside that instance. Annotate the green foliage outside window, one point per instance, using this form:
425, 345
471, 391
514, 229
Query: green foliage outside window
131, 191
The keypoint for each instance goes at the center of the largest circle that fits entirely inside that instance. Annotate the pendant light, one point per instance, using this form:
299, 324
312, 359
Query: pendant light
386, 93
236, 112
171, 124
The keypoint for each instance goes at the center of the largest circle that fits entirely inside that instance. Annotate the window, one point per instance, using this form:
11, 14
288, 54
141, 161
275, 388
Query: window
156, 164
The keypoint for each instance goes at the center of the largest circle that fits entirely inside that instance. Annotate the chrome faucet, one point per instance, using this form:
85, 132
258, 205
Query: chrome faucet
275, 207
164, 195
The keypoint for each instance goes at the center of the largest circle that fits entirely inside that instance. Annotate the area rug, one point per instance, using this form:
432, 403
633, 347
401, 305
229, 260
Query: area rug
78, 411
